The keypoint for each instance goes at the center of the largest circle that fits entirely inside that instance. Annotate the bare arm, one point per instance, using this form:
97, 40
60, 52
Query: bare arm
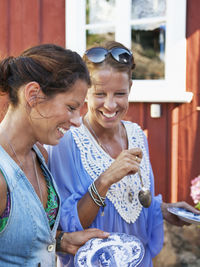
71, 242
125, 164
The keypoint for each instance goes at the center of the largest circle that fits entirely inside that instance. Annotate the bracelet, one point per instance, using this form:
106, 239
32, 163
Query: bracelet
93, 198
58, 241
100, 201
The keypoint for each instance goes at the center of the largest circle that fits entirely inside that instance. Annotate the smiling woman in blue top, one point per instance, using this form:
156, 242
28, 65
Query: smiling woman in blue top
46, 86
100, 167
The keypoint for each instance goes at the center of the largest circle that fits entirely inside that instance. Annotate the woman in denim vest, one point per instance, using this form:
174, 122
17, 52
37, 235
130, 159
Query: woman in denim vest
46, 86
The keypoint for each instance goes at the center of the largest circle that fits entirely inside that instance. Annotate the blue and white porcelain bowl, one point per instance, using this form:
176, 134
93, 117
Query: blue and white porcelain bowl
115, 251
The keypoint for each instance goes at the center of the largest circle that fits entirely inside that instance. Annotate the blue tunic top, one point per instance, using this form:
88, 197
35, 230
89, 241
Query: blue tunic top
77, 161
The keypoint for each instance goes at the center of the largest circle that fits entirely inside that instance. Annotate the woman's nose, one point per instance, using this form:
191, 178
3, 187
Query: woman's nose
76, 119
110, 103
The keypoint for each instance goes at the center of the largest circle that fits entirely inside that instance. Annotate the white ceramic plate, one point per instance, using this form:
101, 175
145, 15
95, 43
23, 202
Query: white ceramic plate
115, 251
185, 215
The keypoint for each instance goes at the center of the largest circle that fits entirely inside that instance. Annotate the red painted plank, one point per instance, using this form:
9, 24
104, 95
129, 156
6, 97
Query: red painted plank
4, 28
24, 24
189, 123
53, 22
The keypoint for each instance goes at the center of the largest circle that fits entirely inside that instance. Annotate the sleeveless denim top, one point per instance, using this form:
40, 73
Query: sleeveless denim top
27, 239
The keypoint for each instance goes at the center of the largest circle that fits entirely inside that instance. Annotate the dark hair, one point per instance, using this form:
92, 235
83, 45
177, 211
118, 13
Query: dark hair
55, 68
110, 61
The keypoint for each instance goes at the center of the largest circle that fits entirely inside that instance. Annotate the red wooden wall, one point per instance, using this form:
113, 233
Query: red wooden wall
158, 137
26, 23
174, 139
189, 116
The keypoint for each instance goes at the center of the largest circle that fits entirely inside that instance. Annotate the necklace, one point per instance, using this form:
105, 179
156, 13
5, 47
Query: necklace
11, 147
97, 139
37, 178
144, 194
22, 167
130, 192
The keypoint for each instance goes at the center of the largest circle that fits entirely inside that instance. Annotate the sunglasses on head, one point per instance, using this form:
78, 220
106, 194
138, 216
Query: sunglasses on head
99, 54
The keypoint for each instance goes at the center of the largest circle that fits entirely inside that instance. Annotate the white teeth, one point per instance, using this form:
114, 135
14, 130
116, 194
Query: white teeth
63, 131
109, 115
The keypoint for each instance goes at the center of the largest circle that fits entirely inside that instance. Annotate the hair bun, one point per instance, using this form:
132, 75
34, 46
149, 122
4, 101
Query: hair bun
5, 73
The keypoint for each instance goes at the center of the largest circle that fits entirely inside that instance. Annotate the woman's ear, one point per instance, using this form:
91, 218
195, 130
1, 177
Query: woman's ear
32, 92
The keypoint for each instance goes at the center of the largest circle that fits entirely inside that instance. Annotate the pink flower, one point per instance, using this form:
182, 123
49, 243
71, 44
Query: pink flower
195, 189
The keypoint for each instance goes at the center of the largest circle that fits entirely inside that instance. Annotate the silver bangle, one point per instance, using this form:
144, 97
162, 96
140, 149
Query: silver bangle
93, 198
101, 200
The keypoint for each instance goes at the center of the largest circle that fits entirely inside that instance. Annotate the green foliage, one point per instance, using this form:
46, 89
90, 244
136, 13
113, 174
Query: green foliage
198, 206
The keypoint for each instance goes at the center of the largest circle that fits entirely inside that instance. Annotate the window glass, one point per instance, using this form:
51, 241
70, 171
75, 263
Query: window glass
100, 11
148, 38
148, 48
153, 29
99, 19
148, 8
96, 37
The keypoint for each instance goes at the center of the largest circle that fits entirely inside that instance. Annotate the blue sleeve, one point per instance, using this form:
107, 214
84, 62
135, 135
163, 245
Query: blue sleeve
155, 217
71, 179
155, 224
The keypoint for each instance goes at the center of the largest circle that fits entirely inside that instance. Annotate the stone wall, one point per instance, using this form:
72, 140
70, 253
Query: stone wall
181, 247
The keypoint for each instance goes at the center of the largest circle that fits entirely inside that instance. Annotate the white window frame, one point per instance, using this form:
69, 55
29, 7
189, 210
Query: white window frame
173, 87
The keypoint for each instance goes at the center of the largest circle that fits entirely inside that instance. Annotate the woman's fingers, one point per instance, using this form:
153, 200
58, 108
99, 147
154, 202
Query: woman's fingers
186, 206
72, 241
137, 152
127, 163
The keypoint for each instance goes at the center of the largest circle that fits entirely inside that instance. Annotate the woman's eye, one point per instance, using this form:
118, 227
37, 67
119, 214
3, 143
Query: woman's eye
121, 93
99, 94
70, 108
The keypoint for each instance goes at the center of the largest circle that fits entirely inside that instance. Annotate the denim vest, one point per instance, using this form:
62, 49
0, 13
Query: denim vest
27, 239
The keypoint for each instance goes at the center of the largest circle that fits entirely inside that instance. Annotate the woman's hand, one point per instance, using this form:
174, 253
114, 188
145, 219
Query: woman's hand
126, 163
172, 218
71, 242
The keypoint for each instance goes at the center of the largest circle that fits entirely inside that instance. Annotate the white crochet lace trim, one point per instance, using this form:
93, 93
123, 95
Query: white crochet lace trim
95, 160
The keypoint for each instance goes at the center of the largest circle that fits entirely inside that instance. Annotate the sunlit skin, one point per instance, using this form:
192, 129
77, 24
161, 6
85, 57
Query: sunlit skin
38, 118
108, 99
107, 106
52, 118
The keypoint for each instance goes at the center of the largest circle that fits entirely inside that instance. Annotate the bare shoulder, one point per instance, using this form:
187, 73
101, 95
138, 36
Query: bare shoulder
3, 193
